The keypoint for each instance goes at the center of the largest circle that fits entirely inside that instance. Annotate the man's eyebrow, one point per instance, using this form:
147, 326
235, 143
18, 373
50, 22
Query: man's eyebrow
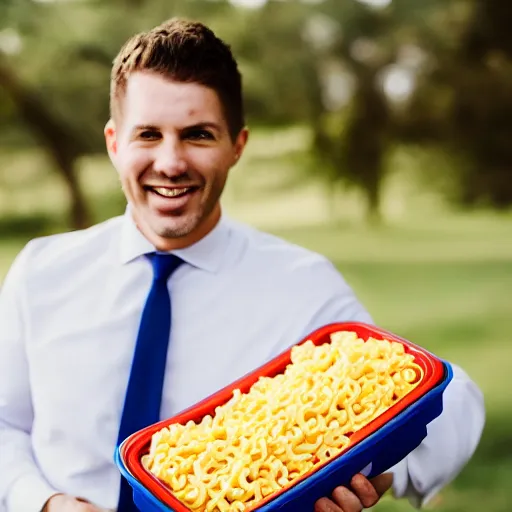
206, 125
142, 127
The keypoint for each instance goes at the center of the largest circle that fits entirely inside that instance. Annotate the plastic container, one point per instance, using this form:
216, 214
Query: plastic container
373, 450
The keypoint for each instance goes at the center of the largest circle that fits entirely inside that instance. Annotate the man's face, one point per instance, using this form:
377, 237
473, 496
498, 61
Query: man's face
173, 151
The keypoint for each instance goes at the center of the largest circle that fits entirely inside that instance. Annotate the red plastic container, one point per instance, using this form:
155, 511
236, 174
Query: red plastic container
137, 445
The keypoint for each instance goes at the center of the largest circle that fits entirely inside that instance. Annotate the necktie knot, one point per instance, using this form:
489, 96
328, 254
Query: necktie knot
164, 265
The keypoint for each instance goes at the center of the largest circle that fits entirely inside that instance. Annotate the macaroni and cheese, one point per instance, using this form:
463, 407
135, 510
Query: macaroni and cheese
284, 426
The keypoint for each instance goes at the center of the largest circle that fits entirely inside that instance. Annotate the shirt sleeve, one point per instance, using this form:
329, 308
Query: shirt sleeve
330, 299
451, 438
22, 486
451, 441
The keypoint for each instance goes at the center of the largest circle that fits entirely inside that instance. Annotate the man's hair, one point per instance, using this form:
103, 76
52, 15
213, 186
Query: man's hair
184, 51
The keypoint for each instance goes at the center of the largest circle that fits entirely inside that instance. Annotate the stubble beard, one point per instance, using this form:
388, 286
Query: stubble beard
189, 222
183, 227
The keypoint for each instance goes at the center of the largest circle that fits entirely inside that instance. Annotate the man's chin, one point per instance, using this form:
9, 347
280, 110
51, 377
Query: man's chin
177, 231
177, 227
174, 232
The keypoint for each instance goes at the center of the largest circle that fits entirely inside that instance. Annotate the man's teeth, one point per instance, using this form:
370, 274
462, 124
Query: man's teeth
171, 192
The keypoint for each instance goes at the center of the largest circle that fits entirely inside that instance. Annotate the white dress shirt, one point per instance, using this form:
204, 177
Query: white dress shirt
69, 314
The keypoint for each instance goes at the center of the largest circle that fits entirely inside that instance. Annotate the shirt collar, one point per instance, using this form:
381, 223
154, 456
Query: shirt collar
207, 254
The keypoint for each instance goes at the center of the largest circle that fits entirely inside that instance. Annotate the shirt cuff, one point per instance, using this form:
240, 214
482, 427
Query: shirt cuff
400, 478
29, 492
403, 487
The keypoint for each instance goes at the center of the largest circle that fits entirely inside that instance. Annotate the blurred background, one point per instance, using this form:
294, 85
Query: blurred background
381, 137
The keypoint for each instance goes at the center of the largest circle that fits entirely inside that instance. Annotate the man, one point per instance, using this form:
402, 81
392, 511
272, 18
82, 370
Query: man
71, 305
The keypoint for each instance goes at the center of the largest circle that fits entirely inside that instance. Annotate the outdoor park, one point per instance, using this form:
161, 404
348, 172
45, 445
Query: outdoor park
386, 146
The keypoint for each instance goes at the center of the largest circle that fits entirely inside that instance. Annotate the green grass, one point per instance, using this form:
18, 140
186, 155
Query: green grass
439, 278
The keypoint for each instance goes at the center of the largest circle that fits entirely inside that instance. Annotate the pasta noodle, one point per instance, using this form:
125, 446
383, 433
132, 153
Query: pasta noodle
284, 426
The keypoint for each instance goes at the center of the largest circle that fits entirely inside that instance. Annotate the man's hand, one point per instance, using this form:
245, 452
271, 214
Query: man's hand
66, 503
363, 493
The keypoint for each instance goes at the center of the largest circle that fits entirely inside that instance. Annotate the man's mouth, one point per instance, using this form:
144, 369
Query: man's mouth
170, 192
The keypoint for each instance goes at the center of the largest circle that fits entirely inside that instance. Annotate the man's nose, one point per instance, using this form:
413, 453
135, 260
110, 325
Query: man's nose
170, 158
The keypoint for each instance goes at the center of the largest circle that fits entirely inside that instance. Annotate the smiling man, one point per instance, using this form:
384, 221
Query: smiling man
89, 350
173, 148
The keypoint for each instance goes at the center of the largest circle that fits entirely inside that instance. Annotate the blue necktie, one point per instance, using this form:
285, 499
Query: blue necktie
144, 392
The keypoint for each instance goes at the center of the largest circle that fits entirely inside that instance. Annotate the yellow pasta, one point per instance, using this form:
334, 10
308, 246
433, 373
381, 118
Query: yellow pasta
284, 426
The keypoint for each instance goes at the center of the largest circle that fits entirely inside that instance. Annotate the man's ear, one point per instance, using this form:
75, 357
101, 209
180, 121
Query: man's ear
240, 143
111, 139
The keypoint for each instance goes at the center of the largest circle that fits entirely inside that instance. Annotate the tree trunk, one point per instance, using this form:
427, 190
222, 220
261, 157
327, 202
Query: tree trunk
373, 214
366, 141
79, 214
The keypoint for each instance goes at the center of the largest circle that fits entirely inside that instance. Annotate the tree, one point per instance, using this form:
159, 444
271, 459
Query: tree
482, 108
57, 83
56, 134
306, 49
59, 139
463, 104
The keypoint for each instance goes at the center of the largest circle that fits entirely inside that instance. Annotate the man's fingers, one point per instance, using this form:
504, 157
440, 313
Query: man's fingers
364, 490
326, 505
382, 483
362, 494
347, 500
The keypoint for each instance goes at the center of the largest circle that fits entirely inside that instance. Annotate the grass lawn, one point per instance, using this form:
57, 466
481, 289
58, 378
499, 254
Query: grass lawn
441, 279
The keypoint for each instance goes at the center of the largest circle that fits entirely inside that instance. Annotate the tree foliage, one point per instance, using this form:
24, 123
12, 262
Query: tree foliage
325, 64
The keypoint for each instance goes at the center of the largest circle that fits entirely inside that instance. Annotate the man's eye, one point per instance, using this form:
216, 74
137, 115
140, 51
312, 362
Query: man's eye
199, 135
149, 135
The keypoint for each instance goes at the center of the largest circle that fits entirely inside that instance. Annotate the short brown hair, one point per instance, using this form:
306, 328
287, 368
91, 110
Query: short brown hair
185, 51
